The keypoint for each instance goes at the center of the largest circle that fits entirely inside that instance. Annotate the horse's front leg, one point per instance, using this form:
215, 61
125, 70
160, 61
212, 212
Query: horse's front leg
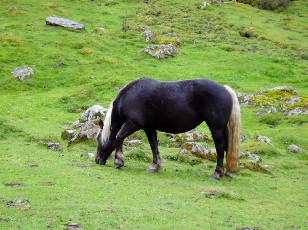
127, 129
157, 163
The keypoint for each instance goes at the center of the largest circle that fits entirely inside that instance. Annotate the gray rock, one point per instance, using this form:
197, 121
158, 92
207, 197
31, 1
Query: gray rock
148, 35
63, 22
198, 150
53, 146
88, 130
295, 149
251, 156
23, 73
204, 5
264, 139
87, 126
95, 112
271, 110
161, 51
68, 134
281, 98
285, 107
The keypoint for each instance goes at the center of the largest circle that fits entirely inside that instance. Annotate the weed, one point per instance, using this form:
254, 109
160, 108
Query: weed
263, 149
218, 193
7, 129
87, 51
270, 119
139, 155
9, 40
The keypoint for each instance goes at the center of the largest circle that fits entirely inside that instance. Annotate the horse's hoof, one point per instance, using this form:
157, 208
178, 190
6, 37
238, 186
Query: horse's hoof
118, 163
216, 176
153, 168
229, 174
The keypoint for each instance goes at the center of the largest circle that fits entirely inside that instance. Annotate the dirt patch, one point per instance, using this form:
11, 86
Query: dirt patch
15, 185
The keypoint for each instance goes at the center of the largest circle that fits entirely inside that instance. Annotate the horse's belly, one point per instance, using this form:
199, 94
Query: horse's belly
177, 123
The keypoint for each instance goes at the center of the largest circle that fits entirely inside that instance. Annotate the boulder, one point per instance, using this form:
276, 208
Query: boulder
63, 22
198, 150
282, 98
87, 126
161, 51
95, 112
23, 73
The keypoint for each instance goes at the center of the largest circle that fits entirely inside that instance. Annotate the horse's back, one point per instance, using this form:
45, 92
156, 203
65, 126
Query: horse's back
172, 106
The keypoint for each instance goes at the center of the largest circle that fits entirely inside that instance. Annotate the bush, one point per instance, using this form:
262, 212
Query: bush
268, 5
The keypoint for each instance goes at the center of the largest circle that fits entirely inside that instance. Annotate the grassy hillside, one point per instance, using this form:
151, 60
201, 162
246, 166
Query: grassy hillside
77, 69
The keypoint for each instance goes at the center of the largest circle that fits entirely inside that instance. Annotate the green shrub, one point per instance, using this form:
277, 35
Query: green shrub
268, 5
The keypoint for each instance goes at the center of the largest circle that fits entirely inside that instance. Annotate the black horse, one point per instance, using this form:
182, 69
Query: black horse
173, 107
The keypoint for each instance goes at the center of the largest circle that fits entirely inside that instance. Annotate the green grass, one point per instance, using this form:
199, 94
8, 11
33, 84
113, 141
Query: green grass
63, 187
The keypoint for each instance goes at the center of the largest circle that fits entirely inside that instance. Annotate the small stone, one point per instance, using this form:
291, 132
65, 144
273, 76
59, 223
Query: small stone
264, 139
53, 146
70, 226
67, 134
89, 155
252, 157
148, 35
295, 149
23, 73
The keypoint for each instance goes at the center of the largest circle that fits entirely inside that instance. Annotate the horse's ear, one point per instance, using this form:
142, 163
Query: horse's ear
101, 123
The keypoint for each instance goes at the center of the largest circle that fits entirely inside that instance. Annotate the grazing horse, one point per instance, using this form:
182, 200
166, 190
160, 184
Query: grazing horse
173, 107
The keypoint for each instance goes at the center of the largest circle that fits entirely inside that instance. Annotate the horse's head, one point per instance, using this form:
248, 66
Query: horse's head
104, 149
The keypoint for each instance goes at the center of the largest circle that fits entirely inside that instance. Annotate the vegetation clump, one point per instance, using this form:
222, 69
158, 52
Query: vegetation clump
268, 5
263, 149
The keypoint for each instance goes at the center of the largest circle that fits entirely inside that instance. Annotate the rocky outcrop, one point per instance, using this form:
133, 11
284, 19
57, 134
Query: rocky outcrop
198, 150
283, 99
87, 126
161, 51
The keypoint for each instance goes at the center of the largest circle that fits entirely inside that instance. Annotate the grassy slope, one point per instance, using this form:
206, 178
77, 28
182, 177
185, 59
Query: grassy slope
38, 109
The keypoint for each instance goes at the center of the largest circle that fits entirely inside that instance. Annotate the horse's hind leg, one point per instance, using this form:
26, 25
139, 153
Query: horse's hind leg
152, 137
221, 144
127, 129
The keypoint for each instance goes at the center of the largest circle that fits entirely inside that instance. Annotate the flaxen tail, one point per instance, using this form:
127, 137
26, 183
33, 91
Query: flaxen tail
234, 138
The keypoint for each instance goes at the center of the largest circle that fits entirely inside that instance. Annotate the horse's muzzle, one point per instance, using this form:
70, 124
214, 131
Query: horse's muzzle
100, 161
